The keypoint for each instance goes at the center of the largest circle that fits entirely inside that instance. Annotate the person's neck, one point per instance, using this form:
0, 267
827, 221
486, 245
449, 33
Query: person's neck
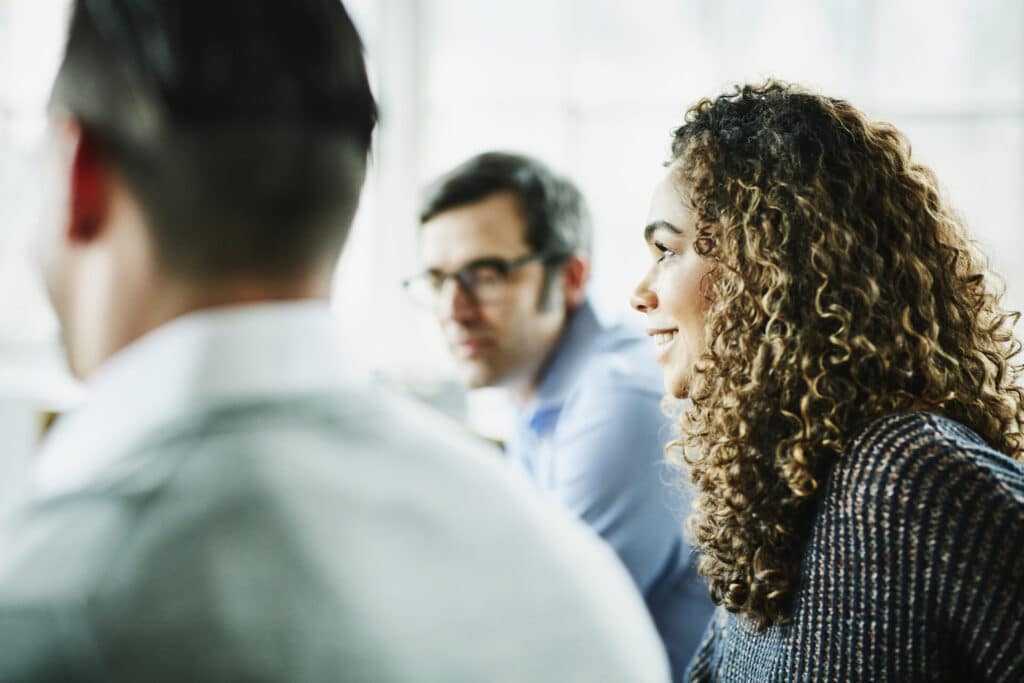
524, 388
532, 379
179, 298
524, 391
142, 309
186, 297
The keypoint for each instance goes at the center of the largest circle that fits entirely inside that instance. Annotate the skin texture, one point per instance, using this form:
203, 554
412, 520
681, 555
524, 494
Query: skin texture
506, 342
672, 293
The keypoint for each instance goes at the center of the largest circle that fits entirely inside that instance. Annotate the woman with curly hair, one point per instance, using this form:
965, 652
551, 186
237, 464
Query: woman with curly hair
855, 432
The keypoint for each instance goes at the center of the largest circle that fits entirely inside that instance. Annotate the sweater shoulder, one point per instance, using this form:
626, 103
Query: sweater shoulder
910, 450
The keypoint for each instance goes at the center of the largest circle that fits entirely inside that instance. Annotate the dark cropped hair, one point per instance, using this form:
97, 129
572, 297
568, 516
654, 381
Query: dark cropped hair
843, 288
241, 126
556, 215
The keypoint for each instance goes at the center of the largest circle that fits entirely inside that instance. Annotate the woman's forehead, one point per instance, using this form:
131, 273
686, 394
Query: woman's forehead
668, 203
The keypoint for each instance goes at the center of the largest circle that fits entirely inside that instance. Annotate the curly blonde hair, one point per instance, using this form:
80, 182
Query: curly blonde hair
843, 288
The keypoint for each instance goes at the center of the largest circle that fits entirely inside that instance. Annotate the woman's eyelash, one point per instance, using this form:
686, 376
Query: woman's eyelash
665, 251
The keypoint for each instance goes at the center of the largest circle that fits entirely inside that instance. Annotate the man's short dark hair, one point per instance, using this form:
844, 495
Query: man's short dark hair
241, 126
556, 215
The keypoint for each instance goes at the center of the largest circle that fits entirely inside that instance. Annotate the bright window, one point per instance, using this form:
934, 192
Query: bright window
593, 87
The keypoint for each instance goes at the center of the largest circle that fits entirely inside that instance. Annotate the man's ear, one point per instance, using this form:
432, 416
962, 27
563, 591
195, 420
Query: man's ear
90, 185
575, 273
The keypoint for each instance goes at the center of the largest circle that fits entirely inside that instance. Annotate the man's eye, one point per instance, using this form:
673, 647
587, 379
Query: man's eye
435, 280
665, 251
484, 275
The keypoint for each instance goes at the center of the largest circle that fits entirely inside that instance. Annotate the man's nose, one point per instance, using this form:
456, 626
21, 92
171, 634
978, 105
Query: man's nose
455, 302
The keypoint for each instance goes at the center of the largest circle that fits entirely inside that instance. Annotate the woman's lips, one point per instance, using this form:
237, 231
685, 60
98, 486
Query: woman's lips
663, 337
663, 340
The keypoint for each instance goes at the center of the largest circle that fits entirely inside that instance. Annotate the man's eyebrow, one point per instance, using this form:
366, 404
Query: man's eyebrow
482, 261
659, 225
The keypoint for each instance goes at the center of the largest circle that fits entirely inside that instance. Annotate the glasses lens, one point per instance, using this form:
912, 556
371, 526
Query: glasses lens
485, 281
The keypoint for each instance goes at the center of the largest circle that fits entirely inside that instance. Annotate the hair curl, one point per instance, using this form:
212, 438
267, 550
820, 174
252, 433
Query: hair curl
844, 288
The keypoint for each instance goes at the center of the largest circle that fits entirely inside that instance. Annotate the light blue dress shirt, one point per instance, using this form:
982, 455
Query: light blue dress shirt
593, 438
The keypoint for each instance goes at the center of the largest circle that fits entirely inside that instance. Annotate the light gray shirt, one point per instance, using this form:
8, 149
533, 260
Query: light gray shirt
235, 503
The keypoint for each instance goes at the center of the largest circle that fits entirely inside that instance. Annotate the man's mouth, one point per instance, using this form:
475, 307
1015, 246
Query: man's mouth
469, 348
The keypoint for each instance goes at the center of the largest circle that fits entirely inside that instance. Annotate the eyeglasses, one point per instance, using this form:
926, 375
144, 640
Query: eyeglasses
484, 280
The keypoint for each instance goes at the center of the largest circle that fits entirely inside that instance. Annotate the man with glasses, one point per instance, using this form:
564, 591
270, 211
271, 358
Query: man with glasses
505, 245
235, 501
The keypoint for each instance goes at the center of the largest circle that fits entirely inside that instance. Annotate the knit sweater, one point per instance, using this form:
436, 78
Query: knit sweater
913, 570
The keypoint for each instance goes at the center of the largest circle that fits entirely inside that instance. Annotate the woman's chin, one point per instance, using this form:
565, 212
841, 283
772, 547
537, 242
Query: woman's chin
677, 385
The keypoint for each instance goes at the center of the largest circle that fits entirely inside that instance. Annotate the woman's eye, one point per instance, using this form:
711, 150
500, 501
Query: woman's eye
665, 251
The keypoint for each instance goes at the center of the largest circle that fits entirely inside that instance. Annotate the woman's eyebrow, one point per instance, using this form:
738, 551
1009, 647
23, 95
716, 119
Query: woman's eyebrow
659, 225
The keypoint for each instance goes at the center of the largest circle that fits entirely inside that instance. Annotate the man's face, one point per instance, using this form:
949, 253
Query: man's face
503, 340
54, 260
673, 292
86, 247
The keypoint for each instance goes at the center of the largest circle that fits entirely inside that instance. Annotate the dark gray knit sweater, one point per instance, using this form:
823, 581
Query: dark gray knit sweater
914, 569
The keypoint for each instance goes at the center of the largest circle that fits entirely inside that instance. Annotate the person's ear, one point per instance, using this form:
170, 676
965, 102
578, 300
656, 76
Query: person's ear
575, 273
89, 185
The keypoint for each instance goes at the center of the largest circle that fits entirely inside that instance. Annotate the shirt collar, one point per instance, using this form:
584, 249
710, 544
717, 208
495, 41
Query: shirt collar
567, 361
230, 353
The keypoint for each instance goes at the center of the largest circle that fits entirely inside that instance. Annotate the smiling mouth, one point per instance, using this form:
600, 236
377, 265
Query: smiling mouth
664, 338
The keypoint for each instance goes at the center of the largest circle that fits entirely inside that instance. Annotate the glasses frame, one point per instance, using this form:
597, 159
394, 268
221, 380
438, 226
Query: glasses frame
461, 276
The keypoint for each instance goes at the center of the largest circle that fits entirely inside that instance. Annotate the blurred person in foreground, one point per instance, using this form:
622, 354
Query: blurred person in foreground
855, 430
236, 502
506, 247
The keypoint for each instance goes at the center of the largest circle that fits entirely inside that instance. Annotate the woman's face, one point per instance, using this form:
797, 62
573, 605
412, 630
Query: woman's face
671, 294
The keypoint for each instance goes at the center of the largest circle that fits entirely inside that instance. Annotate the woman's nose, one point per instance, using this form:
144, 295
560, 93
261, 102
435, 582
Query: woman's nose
643, 299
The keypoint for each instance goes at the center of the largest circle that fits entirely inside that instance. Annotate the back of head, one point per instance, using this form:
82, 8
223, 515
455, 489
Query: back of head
556, 215
240, 126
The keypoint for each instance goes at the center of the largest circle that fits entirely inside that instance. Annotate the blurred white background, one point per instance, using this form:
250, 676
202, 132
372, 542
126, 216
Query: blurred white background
594, 88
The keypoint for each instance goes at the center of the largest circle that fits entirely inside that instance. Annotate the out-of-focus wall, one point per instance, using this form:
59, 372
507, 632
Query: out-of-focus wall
594, 87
